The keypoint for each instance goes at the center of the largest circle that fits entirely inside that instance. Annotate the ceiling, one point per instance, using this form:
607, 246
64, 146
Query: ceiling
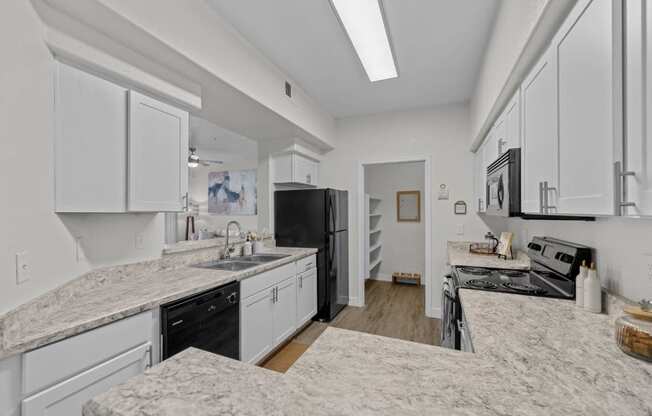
438, 44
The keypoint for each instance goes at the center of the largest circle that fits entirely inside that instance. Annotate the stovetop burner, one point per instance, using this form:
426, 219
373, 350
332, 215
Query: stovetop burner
524, 288
513, 273
475, 271
481, 284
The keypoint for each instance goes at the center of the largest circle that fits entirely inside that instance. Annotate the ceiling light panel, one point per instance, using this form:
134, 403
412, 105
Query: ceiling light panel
363, 22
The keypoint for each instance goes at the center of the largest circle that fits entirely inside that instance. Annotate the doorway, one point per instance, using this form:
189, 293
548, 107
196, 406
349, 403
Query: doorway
389, 243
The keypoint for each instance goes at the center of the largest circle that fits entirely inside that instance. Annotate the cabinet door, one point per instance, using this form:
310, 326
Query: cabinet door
303, 170
480, 179
158, 152
588, 56
306, 296
90, 145
638, 95
68, 397
256, 326
490, 148
285, 310
539, 147
512, 117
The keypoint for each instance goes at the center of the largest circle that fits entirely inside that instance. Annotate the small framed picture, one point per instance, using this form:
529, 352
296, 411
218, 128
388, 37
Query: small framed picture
460, 208
408, 206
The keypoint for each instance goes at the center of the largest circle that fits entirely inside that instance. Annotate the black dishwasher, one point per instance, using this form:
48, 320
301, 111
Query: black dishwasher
208, 321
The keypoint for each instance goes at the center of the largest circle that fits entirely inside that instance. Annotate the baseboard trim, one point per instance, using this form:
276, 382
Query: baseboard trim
382, 277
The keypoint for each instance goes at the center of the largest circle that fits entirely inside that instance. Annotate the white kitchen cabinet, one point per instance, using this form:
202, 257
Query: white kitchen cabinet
306, 296
637, 198
296, 169
588, 59
90, 146
158, 152
539, 146
490, 147
285, 310
257, 325
480, 180
59, 378
271, 307
67, 397
116, 150
512, 120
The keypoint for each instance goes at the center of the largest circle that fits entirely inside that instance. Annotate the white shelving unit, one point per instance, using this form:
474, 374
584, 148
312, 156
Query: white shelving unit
373, 227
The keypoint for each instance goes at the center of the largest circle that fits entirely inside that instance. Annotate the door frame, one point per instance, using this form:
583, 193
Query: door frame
428, 279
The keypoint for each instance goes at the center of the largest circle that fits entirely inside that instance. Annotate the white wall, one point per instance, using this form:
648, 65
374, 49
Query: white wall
623, 248
403, 242
441, 133
27, 219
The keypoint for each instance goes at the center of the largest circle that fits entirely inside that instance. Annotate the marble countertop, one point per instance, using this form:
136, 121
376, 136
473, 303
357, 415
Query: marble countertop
113, 293
526, 363
459, 255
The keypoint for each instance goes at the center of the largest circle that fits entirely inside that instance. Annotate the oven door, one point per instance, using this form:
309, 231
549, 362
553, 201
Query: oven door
449, 330
498, 192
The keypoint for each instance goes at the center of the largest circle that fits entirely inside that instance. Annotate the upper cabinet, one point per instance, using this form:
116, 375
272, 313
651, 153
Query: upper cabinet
116, 150
539, 147
295, 168
512, 125
588, 50
158, 151
572, 116
637, 170
90, 148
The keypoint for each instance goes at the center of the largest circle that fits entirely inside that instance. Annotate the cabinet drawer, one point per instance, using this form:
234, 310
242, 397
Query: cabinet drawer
256, 283
53, 363
306, 263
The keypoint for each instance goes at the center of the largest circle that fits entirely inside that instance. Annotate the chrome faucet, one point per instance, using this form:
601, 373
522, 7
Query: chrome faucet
228, 250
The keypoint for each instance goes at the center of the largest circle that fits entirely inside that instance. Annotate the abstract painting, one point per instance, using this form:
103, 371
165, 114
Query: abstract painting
232, 192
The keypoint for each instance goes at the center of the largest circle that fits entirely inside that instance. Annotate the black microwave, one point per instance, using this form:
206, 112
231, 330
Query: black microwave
503, 191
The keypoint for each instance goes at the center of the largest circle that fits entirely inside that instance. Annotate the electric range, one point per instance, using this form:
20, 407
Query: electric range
554, 266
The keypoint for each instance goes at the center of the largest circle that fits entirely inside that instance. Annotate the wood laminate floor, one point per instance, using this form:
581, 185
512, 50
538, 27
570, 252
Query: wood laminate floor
392, 310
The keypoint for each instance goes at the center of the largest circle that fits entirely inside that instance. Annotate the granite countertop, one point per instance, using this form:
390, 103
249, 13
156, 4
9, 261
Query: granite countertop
106, 295
526, 363
459, 255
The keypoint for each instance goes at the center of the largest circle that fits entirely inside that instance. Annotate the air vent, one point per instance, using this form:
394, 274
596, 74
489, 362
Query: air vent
288, 89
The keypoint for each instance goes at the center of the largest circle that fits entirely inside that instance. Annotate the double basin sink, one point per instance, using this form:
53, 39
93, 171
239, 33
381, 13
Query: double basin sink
241, 263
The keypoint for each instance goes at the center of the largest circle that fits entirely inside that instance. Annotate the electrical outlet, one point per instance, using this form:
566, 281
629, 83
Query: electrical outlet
23, 268
140, 241
460, 229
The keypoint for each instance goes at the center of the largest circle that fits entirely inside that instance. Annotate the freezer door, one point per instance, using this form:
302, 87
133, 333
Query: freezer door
338, 219
300, 218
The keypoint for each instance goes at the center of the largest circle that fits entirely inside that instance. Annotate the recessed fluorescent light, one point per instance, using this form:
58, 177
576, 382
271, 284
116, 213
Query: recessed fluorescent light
363, 22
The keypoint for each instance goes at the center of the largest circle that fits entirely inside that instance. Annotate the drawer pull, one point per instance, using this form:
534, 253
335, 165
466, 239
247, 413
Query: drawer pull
180, 321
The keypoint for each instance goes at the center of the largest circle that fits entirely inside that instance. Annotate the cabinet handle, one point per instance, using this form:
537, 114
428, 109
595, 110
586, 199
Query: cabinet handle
620, 178
300, 282
308, 178
541, 197
185, 205
546, 190
273, 295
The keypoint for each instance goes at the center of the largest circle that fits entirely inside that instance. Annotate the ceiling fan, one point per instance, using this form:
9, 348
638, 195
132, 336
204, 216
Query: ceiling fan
194, 160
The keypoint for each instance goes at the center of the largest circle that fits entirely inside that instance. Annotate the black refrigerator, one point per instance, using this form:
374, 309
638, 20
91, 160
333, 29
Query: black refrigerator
318, 218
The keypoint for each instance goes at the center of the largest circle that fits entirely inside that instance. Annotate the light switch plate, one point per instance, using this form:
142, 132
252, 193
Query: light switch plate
460, 229
140, 241
23, 268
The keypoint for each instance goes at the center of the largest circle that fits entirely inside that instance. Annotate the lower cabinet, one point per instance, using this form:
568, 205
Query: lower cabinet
306, 296
68, 397
59, 378
273, 305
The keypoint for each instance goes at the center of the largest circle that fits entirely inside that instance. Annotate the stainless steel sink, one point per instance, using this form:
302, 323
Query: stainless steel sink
263, 258
241, 263
230, 265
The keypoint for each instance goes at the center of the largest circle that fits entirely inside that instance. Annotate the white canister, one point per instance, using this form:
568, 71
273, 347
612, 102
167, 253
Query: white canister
247, 249
592, 291
259, 246
579, 285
